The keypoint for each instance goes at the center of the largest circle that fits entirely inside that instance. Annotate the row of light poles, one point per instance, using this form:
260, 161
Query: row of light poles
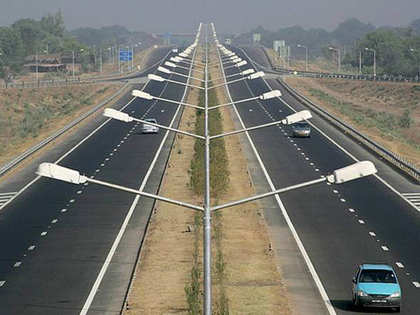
229, 60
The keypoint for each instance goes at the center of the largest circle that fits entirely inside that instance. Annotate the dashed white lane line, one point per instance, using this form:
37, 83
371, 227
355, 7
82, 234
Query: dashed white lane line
72, 201
102, 164
385, 248
352, 210
307, 159
342, 200
107, 159
373, 234
118, 145
79, 192
416, 284
63, 210
2, 283
44, 233
399, 265
98, 170
32, 247
312, 164
17, 264
361, 221
54, 221
335, 191
115, 150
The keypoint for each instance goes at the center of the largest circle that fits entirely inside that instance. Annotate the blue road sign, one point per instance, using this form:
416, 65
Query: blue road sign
126, 55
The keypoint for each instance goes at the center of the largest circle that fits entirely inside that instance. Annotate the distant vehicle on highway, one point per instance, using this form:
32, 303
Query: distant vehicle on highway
301, 129
149, 128
376, 285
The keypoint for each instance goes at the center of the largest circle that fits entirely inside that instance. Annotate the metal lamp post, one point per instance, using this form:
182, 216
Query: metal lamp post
338, 57
374, 59
306, 49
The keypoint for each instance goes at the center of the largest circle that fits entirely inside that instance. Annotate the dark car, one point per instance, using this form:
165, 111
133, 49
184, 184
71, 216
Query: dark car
301, 129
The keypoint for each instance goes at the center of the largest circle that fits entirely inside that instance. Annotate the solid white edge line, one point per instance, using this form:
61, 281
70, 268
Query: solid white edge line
318, 283
120, 234
340, 147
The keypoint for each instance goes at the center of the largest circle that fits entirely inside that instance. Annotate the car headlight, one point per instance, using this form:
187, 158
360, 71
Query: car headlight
361, 293
395, 295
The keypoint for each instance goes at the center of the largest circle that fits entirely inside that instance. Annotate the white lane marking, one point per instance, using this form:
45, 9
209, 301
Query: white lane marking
54, 221
118, 145
79, 192
352, 210
102, 164
32, 247
312, 164
17, 264
72, 200
107, 159
361, 221
335, 191
5, 197
122, 141
342, 200
399, 264
92, 293
63, 210
416, 284
307, 159
373, 234
44, 233
414, 198
2, 283
385, 248
115, 150
97, 171
68, 152
302, 249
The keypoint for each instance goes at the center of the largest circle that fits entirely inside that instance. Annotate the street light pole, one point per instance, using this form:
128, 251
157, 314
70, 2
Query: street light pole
374, 59
338, 57
360, 62
73, 63
306, 49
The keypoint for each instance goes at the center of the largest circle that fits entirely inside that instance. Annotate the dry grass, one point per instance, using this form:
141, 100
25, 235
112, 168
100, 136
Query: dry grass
374, 108
29, 115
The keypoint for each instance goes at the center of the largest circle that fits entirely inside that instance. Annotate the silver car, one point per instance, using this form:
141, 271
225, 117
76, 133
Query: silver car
301, 129
149, 128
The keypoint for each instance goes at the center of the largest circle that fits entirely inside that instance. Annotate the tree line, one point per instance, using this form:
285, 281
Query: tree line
397, 48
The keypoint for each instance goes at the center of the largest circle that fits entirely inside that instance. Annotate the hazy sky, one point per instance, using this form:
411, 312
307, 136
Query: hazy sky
229, 15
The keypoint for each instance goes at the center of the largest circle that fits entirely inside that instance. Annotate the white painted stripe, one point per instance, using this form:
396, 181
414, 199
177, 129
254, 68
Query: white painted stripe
117, 240
44, 233
68, 153
411, 194
8, 193
385, 248
361, 221
63, 210
32, 247
372, 234
416, 284
17, 264
54, 221
351, 210
399, 265
348, 153
2, 283
342, 200
302, 249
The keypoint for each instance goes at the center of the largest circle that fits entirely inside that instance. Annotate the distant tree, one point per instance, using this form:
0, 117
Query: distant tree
415, 25
31, 34
53, 24
351, 30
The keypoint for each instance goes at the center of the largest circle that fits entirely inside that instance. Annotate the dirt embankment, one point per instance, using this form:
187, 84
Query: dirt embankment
387, 112
28, 116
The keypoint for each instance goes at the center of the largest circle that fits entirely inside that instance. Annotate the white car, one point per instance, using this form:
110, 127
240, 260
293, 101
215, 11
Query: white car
149, 128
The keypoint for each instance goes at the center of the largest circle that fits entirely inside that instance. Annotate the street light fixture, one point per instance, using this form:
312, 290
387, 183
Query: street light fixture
174, 65
306, 49
155, 77
167, 71
374, 59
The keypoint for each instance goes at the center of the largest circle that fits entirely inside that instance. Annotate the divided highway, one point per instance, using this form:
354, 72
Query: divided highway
340, 226
56, 236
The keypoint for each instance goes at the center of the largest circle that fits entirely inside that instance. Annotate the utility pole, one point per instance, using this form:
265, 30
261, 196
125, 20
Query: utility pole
360, 62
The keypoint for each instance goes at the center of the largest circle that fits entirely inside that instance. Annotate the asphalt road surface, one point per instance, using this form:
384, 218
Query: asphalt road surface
341, 226
56, 236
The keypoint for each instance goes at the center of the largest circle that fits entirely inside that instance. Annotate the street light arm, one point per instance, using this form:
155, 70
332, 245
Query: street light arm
58, 172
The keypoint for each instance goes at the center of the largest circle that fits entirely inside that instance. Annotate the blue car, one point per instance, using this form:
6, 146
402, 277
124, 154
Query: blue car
376, 285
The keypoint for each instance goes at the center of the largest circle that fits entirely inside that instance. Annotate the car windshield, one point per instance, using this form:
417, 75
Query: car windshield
301, 125
373, 275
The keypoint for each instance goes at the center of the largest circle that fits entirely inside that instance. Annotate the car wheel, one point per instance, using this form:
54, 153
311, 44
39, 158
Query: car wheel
397, 309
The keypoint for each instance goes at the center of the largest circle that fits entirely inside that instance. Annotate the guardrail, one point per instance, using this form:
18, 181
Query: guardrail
58, 133
390, 156
5, 168
396, 160
78, 80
